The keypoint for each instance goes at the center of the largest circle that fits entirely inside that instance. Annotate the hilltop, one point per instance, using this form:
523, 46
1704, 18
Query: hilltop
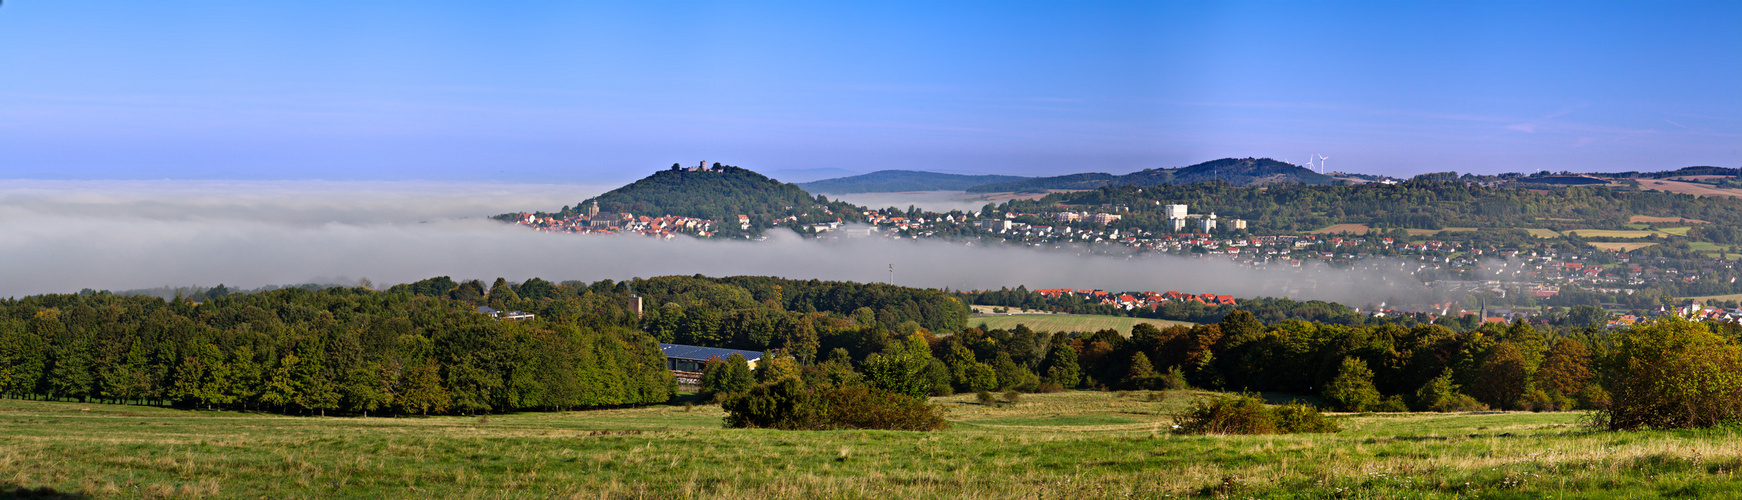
893, 181
719, 194
1236, 171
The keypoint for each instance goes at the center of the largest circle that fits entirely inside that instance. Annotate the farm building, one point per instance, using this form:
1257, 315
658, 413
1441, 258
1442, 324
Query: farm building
686, 361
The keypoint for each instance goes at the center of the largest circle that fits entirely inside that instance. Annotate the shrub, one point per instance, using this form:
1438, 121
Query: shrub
1461, 402
1012, 396
1539, 400
791, 405
1226, 415
1244, 414
1049, 387
985, 397
1155, 396
1391, 404
1174, 380
1441, 395
1303, 419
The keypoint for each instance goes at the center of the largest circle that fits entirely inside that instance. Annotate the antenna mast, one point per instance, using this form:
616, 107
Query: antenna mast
891, 273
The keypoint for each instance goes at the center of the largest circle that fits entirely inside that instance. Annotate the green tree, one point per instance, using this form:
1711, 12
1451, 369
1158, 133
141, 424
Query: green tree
71, 376
901, 368
1352, 389
1061, 365
421, 392
773, 368
1142, 373
1503, 377
721, 378
281, 388
365, 389
1566, 369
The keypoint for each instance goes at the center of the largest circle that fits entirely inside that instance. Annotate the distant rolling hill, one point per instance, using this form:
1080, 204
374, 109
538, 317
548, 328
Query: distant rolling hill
896, 181
1236, 171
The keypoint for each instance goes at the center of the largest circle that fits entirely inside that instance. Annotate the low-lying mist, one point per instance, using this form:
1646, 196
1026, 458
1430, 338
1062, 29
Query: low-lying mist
60, 237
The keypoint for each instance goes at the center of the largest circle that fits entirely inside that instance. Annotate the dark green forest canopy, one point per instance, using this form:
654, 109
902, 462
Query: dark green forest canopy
425, 347
1413, 204
1236, 171
887, 181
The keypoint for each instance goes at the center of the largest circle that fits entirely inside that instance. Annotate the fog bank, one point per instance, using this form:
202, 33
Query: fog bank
61, 237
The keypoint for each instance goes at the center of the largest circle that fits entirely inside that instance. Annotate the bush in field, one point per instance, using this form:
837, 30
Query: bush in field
985, 397
1243, 414
1302, 419
1174, 380
1441, 394
1540, 400
1390, 404
1352, 389
1673, 373
789, 404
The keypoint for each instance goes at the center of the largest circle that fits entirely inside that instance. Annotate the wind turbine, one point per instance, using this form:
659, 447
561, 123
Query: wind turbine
1322, 159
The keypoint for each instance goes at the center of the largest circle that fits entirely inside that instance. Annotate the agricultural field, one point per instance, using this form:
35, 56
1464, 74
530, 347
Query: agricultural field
980, 309
1678, 231
1355, 229
1542, 232
1431, 232
1712, 249
1613, 233
1619, 246
1646, 219
1704, 298
1068, 322
1063, 445
1692, 188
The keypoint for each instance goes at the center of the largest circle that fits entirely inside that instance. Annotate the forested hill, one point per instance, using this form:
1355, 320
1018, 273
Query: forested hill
894, 181
1235, 171
720, 193
708, 194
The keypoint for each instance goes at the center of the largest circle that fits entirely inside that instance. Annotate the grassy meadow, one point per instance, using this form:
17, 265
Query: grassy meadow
1068, 322
1064, 445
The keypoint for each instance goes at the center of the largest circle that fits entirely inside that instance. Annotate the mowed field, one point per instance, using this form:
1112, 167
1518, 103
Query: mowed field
1646, 219
1619, 246
1687, 188
1542, 232
1614, 233
1066, 445
1068, 322
1344, 229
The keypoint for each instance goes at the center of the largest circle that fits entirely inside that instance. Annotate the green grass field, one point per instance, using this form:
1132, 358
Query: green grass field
1542, 232
1613, 233
1065, 445
1068, 322
1703, 298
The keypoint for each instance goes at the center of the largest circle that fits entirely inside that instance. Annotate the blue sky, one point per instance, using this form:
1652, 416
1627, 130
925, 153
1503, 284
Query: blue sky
606, 92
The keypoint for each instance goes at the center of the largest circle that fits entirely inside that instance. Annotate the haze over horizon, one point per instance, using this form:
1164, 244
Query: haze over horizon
556, 92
